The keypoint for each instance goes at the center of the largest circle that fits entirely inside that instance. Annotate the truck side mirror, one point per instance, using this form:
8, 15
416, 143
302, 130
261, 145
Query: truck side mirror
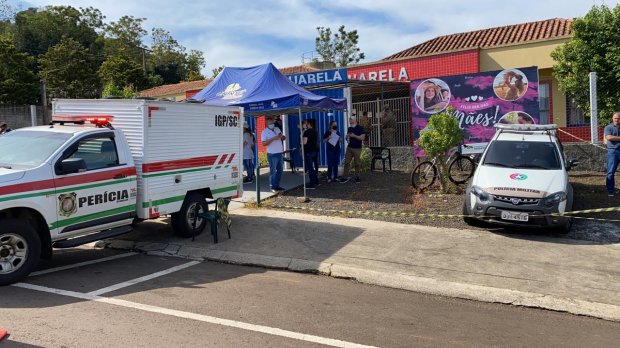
571, 163
72, 165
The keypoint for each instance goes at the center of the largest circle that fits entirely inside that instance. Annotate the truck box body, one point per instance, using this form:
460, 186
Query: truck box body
176, 147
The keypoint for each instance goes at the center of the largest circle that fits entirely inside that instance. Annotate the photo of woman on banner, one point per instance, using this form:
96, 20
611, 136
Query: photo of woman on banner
517, 117
510, 85
432, 96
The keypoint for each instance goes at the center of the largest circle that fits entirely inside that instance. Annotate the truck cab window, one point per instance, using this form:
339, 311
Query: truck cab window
98, 153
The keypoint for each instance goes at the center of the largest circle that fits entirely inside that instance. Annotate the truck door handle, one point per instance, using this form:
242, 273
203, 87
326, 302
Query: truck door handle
119, 176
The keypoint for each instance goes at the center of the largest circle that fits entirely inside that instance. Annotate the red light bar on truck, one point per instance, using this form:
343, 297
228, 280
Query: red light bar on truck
94, 119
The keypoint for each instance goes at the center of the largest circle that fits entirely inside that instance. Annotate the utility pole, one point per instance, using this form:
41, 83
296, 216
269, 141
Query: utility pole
44, 101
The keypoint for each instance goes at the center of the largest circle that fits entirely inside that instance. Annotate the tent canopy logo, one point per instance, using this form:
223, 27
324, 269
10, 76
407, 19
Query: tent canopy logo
232, 91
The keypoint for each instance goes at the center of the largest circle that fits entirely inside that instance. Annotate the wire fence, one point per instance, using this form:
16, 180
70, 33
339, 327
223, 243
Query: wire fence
18, 116
387, 122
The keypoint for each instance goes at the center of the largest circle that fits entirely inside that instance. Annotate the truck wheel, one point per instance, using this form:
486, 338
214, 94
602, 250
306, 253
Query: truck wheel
20, 250
183, 220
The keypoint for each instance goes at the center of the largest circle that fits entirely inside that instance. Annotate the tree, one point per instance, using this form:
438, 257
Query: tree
126, 34
6, 11
595, 46
217, 71
341, 48
442, 134
121, 71
127, 92
168, 57
35, 31
70, 71
18, 84
195, 61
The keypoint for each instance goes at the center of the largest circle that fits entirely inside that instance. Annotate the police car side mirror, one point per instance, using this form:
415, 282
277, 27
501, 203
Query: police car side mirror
72, 165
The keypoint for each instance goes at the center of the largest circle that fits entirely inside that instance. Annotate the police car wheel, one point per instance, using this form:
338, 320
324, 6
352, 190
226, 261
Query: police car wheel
183, 221
20, 250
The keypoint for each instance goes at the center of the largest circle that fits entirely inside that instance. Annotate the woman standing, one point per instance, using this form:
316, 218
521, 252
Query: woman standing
332, 140
248, 152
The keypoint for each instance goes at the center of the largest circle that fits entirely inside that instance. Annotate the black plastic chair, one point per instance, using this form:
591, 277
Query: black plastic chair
380, 154
289, 157
217, 216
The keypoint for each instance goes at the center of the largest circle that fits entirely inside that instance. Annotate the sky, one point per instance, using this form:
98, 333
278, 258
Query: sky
252, 32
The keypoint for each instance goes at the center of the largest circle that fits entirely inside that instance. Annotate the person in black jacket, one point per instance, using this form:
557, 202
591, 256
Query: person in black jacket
332, 140
310, 138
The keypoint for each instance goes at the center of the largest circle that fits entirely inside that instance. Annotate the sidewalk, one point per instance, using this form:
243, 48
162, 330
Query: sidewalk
557, 274
288, 181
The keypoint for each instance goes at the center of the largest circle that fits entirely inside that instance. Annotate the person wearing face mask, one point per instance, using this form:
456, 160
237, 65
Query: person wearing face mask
355, 136
332, 140
272, 138
310, 152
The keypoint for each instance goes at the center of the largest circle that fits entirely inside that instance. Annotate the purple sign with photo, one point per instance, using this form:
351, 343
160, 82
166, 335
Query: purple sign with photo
479, 101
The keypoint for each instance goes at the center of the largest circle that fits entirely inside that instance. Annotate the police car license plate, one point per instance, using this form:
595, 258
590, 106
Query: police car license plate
508, 215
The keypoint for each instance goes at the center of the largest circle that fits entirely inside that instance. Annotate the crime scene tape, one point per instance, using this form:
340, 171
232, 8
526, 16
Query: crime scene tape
443, 216
582, 140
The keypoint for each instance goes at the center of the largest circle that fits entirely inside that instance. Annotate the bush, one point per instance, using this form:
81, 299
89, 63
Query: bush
366, 157
262, 160
442, 134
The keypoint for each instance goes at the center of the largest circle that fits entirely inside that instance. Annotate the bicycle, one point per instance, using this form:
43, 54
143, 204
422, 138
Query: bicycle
460, 169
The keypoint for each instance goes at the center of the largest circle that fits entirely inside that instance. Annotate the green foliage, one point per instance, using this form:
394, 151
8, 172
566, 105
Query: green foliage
442, 134
170, 60
341, 48
366, 157
124, 37
128, 92
70, 71
262, 160
18, 84
121, 70
594, 47
35, 31
217, 71
6, 11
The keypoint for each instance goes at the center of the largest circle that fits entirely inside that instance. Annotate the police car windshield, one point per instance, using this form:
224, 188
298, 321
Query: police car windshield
523, 155
28, 149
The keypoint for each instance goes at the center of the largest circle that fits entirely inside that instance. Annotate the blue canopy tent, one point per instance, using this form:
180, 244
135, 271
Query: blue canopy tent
264, 90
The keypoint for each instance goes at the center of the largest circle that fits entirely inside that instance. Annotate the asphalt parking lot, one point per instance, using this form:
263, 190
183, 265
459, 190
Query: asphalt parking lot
106, 298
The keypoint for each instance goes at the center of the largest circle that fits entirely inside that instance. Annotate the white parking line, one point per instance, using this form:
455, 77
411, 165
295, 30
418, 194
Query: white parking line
80, 264
198, 317
142, 279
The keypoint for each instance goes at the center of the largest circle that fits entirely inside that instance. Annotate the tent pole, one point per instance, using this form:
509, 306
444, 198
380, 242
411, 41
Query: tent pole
257, 163
303, 154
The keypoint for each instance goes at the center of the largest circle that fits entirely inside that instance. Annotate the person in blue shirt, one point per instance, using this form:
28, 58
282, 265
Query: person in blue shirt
333, 151
612, 135
355, 136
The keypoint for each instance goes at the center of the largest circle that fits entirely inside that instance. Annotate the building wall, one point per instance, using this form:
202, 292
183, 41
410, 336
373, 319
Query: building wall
532, 54
416, 68
522, 55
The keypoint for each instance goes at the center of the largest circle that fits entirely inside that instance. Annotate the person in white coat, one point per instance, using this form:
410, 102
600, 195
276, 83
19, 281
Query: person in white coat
248, 152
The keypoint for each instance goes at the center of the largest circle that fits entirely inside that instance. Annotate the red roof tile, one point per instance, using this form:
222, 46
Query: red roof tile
180, 88
177, 88
549, 29
297, 69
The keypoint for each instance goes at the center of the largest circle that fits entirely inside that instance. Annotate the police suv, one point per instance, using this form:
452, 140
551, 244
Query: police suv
103, 165
522, 179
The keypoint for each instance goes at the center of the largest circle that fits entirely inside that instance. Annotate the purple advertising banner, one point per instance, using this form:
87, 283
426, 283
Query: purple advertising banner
479, 100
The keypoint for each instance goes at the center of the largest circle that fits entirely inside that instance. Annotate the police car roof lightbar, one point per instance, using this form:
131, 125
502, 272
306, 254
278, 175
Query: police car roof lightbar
99, 121
526, 127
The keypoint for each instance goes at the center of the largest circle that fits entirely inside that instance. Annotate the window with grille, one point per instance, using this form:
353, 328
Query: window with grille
574, 115
543, 99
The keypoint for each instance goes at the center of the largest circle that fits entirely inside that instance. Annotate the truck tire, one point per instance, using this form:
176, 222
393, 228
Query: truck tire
20, 250
182, 221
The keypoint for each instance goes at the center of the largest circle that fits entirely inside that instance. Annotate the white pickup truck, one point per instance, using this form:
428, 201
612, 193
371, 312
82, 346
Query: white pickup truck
103, 165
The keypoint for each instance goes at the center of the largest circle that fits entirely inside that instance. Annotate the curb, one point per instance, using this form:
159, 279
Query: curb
401, 281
